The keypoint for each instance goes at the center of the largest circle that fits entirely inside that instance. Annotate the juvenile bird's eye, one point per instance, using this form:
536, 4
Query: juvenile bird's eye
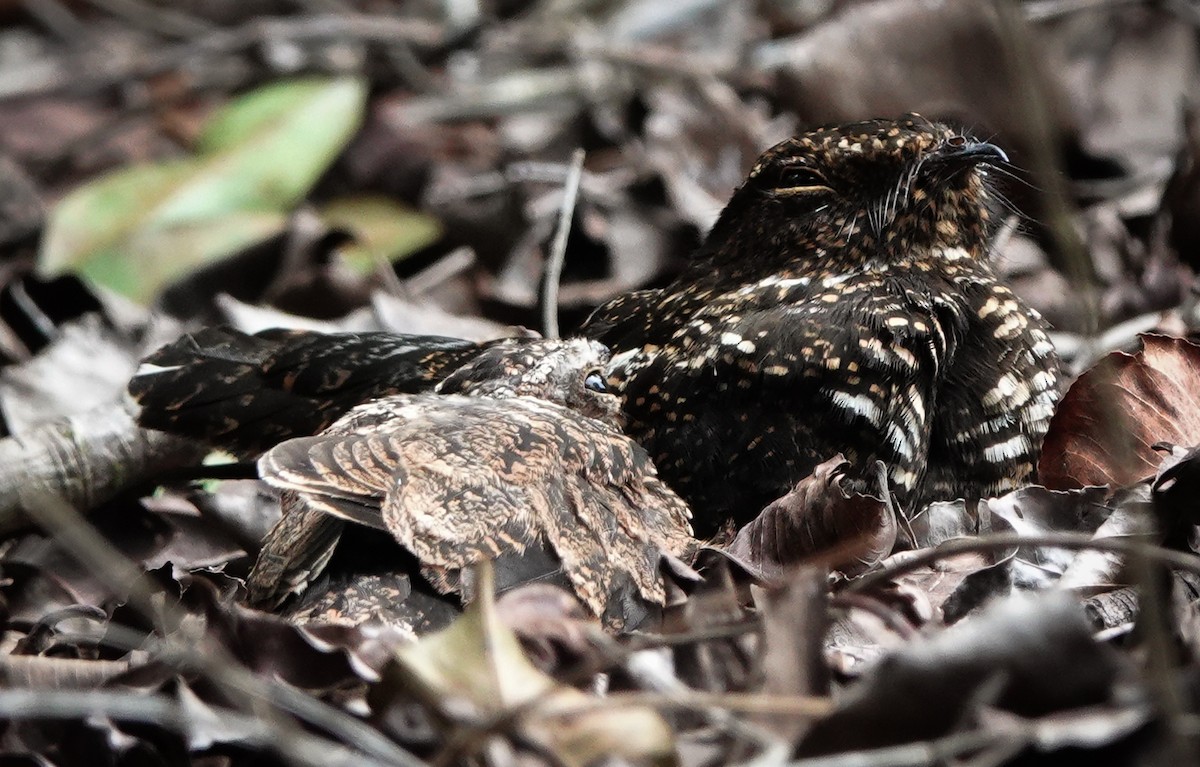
595, 382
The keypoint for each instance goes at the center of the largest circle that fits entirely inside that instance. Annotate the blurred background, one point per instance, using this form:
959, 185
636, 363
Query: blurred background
359, 165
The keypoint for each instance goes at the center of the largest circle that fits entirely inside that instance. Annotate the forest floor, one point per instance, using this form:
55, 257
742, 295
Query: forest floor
352, 165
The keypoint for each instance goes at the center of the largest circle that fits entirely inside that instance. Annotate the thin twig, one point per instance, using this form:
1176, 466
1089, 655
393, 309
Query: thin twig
558, 251
640, 642
1083, 352
364, 28
667, 60
947, 750
986, 543
809, 707
159, 710
441, 271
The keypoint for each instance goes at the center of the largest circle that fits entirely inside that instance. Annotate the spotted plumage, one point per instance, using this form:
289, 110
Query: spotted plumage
247, 393
842, 303
524, 454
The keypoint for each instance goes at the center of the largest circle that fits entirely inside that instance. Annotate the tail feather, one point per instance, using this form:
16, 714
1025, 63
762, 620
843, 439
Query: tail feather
246, 393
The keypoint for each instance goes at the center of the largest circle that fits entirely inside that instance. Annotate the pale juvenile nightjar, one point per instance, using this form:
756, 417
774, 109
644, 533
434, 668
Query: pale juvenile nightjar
518, 449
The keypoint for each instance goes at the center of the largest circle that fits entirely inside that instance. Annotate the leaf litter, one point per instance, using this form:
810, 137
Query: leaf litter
362, 168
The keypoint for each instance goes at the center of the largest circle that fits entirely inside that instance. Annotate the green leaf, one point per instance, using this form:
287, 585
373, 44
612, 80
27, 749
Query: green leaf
156, 257
139, 228
383, 229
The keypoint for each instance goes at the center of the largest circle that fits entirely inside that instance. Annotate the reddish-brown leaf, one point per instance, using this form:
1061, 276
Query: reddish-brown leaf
1115, 412
818, 515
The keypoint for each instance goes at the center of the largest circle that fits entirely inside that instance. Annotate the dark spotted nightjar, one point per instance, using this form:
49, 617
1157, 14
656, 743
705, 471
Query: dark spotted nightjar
518, 449
843, 302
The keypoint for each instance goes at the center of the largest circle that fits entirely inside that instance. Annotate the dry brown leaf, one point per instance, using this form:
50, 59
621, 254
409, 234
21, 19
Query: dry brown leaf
552, 625
818, 515
1108, 422
795, 621
475, 669
1034, 651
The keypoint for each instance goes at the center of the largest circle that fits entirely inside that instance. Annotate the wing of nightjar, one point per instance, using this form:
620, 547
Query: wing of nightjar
844, 363
294, 552
457, 480
997, 401
246, 393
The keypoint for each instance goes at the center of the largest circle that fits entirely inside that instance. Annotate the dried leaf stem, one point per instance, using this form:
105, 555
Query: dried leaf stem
558, 251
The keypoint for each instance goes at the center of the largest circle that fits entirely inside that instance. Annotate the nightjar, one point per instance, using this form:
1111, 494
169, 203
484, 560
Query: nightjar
843, 302
517, 450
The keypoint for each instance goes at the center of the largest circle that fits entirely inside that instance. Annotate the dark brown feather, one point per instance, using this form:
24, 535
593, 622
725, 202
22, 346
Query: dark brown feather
246, 393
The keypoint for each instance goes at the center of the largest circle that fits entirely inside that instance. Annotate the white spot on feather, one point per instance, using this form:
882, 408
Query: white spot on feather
900, 441
1011, 448
858, 404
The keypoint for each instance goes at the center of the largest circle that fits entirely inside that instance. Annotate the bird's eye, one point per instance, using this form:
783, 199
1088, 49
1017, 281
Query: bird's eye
798, 179
595, 382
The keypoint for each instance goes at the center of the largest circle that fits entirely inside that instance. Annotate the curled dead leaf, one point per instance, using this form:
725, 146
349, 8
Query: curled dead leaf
818, 515
1110, 419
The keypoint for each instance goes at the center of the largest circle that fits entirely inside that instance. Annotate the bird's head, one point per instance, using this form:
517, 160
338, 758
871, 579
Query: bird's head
568, 373
876, 190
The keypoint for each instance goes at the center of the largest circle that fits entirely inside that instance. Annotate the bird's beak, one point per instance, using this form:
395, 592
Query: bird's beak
973, 153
